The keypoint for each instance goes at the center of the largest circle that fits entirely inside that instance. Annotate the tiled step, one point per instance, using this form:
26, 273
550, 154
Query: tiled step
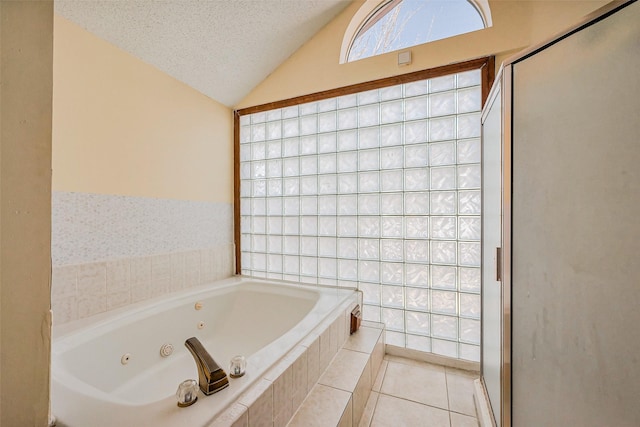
340, 395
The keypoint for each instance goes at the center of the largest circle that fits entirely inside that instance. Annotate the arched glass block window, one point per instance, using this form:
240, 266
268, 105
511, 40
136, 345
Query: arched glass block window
398, 24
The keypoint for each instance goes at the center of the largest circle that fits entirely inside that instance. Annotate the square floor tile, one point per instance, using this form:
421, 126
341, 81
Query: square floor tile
459, 420
422, 383
460, 389
391, 411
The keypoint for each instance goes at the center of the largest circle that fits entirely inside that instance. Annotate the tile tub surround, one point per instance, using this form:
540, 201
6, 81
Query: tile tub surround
342, 392
79, 291
88, 228
108, 251
277, 396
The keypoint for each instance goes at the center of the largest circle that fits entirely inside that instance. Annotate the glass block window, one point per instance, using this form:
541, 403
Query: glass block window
378, 190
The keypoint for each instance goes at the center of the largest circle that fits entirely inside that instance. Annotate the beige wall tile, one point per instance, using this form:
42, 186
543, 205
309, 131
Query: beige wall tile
140, 270
313, 363
177, 271
242, 421
118, 276
299, 372
361, 393
92, 279
297, 400
90, 305
118, 299
64, 281
160, 267
367, 414
126, 281
224, 265
218, 262
377, 355
282, 394
347, 322
326, 347
282, 419
192, 268
65, 309
261, 412
141, 291
377, 384
347, 416
259, 400
161, 286
206, 265
335, 333
344, 329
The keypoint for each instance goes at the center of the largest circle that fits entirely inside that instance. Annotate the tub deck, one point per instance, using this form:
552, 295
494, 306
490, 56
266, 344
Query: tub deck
262, 320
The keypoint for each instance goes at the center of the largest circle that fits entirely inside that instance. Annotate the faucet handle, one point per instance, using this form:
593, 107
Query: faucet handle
187, 393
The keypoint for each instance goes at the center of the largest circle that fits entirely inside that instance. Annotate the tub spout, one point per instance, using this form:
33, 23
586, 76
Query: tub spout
211, 377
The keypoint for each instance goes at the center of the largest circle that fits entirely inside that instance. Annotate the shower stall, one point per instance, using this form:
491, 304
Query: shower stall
561, 179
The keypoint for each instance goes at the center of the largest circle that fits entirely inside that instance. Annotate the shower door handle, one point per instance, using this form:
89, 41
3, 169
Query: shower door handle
498, 264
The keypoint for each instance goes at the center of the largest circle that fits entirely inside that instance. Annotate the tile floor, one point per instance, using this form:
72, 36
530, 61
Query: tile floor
412, 393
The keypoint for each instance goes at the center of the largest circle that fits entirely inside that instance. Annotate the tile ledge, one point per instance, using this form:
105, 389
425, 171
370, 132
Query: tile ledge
432, 358
483, 412
298, 419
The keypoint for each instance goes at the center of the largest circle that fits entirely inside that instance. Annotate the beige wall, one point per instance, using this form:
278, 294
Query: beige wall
26, 41
120, 126
315, 66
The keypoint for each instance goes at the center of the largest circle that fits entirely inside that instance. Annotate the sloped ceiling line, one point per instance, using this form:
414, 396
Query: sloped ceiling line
222, 48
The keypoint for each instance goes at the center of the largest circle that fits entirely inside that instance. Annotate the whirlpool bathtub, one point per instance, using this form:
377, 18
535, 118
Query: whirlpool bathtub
109, 371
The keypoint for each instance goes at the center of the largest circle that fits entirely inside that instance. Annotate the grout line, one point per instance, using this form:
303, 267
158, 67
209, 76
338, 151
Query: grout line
406, 361
446, 386
413, 401
451, 370
461, 413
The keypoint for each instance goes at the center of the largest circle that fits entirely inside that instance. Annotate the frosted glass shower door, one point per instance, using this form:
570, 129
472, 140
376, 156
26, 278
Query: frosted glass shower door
575, 232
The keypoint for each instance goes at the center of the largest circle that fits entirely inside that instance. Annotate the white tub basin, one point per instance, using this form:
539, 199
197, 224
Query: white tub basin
91, 386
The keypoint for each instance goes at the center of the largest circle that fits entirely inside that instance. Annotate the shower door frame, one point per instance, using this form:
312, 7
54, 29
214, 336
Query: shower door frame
502, 89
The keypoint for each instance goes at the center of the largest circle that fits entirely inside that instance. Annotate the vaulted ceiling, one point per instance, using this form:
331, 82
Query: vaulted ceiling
222, 48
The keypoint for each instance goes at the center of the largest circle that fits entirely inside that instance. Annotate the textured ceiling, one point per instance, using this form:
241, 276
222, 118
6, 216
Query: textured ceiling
222, 48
